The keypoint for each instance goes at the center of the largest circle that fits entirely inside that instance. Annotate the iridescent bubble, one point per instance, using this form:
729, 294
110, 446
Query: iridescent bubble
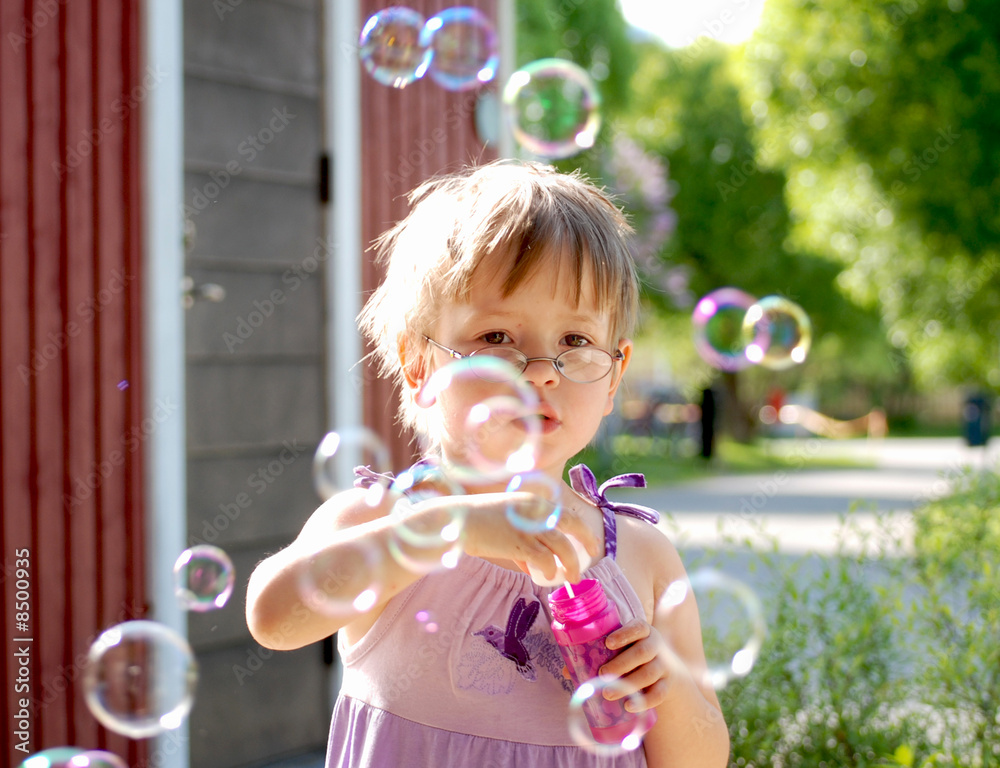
390, 47
539, 517
777, 333
333, 582
489, 413
464, 45
594, 722
717, 321
139, 679
339, 452
732, 622
553, 108
203, 578
428, 538
73, 757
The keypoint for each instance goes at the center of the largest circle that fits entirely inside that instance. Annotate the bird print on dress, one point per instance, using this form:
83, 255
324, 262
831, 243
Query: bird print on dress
509, 642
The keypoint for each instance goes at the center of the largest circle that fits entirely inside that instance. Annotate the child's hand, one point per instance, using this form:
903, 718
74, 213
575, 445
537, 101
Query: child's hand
489, 533
642, 664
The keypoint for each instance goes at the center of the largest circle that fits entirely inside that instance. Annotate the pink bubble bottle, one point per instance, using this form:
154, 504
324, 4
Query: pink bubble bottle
582, 617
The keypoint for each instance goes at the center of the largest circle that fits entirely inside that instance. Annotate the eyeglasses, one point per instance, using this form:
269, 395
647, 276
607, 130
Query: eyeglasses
583, 365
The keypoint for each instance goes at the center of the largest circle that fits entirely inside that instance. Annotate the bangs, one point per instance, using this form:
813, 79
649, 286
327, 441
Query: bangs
521, 227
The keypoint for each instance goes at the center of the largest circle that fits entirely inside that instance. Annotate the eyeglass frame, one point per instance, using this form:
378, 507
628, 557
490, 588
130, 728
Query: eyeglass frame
616, 357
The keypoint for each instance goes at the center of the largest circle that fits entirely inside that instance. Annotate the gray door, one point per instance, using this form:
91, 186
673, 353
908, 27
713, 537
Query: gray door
255, 352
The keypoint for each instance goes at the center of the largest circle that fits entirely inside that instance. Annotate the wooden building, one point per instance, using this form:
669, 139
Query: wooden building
135, 422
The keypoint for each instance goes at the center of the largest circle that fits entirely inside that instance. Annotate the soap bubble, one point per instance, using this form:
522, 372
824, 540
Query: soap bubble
337, 455
341, 581
140, 678
203, 578
464, 45
599, 726
73, 757
553, 108
496, 411
390, 46
718, 328
431, 539
540, 516
777, 333
543, 516
732, 622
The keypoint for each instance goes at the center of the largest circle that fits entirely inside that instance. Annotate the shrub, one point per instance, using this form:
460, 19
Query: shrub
883, 654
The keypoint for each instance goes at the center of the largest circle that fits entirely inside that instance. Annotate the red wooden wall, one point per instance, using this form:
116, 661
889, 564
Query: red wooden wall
73, 420
408, 136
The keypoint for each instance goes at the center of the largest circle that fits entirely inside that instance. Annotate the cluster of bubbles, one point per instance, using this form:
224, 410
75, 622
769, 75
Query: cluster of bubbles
457, 48
140, 676
499, 446
551, 105
733, 330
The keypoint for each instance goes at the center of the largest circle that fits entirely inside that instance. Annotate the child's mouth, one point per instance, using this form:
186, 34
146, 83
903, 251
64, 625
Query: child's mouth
540, 421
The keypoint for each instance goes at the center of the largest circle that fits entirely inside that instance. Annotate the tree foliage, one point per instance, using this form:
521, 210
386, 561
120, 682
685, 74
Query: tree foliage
883, 115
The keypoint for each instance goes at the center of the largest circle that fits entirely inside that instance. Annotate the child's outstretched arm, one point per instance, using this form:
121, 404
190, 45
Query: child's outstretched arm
279, 617
665, 659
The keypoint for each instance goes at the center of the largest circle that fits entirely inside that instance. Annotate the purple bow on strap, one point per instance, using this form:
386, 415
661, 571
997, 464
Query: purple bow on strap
583, 482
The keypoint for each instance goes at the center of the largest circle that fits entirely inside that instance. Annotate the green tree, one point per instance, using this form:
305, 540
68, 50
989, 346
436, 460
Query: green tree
733, 222
883, 116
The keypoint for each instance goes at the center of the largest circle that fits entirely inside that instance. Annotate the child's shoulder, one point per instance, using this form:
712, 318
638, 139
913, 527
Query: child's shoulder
648, 559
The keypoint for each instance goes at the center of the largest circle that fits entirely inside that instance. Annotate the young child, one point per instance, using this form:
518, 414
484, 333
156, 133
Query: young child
459, 667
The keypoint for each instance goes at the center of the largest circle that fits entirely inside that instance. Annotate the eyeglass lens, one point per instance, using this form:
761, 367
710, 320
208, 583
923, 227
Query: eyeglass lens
582, 365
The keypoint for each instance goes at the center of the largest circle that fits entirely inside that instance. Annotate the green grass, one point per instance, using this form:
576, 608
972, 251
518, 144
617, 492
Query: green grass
666, 462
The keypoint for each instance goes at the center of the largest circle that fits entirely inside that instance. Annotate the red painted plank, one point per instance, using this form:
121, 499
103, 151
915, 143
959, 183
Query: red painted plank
15, 361
49, 470
83, 137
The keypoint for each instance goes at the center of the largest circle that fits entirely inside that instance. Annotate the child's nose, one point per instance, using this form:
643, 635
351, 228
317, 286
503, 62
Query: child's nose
541, 373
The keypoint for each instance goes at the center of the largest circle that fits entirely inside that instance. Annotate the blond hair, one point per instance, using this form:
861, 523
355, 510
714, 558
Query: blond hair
525, 211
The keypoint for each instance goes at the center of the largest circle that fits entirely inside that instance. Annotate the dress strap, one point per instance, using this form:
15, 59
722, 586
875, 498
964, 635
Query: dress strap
582, 480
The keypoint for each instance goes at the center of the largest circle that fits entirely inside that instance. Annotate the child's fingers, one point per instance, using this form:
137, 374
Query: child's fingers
560, 547
630, 632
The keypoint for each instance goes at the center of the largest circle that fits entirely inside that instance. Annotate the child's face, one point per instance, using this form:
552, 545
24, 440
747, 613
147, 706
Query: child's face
541, 319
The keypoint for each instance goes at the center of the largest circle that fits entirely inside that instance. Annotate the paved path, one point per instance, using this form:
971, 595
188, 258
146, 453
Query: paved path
803, 507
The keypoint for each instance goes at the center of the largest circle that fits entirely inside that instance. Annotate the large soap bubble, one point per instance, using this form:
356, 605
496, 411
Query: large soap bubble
717, 322
464, 46
140, 679
391, 49
553, 108
777, 333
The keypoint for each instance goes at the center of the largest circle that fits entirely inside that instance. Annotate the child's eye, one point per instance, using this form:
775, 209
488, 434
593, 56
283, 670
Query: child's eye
575, 340
495, 337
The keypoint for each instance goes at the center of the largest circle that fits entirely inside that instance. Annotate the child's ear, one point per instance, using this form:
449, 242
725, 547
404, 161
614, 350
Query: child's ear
618, 373
411, 364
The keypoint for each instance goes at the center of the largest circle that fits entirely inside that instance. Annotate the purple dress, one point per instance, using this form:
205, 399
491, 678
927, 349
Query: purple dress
461, 668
